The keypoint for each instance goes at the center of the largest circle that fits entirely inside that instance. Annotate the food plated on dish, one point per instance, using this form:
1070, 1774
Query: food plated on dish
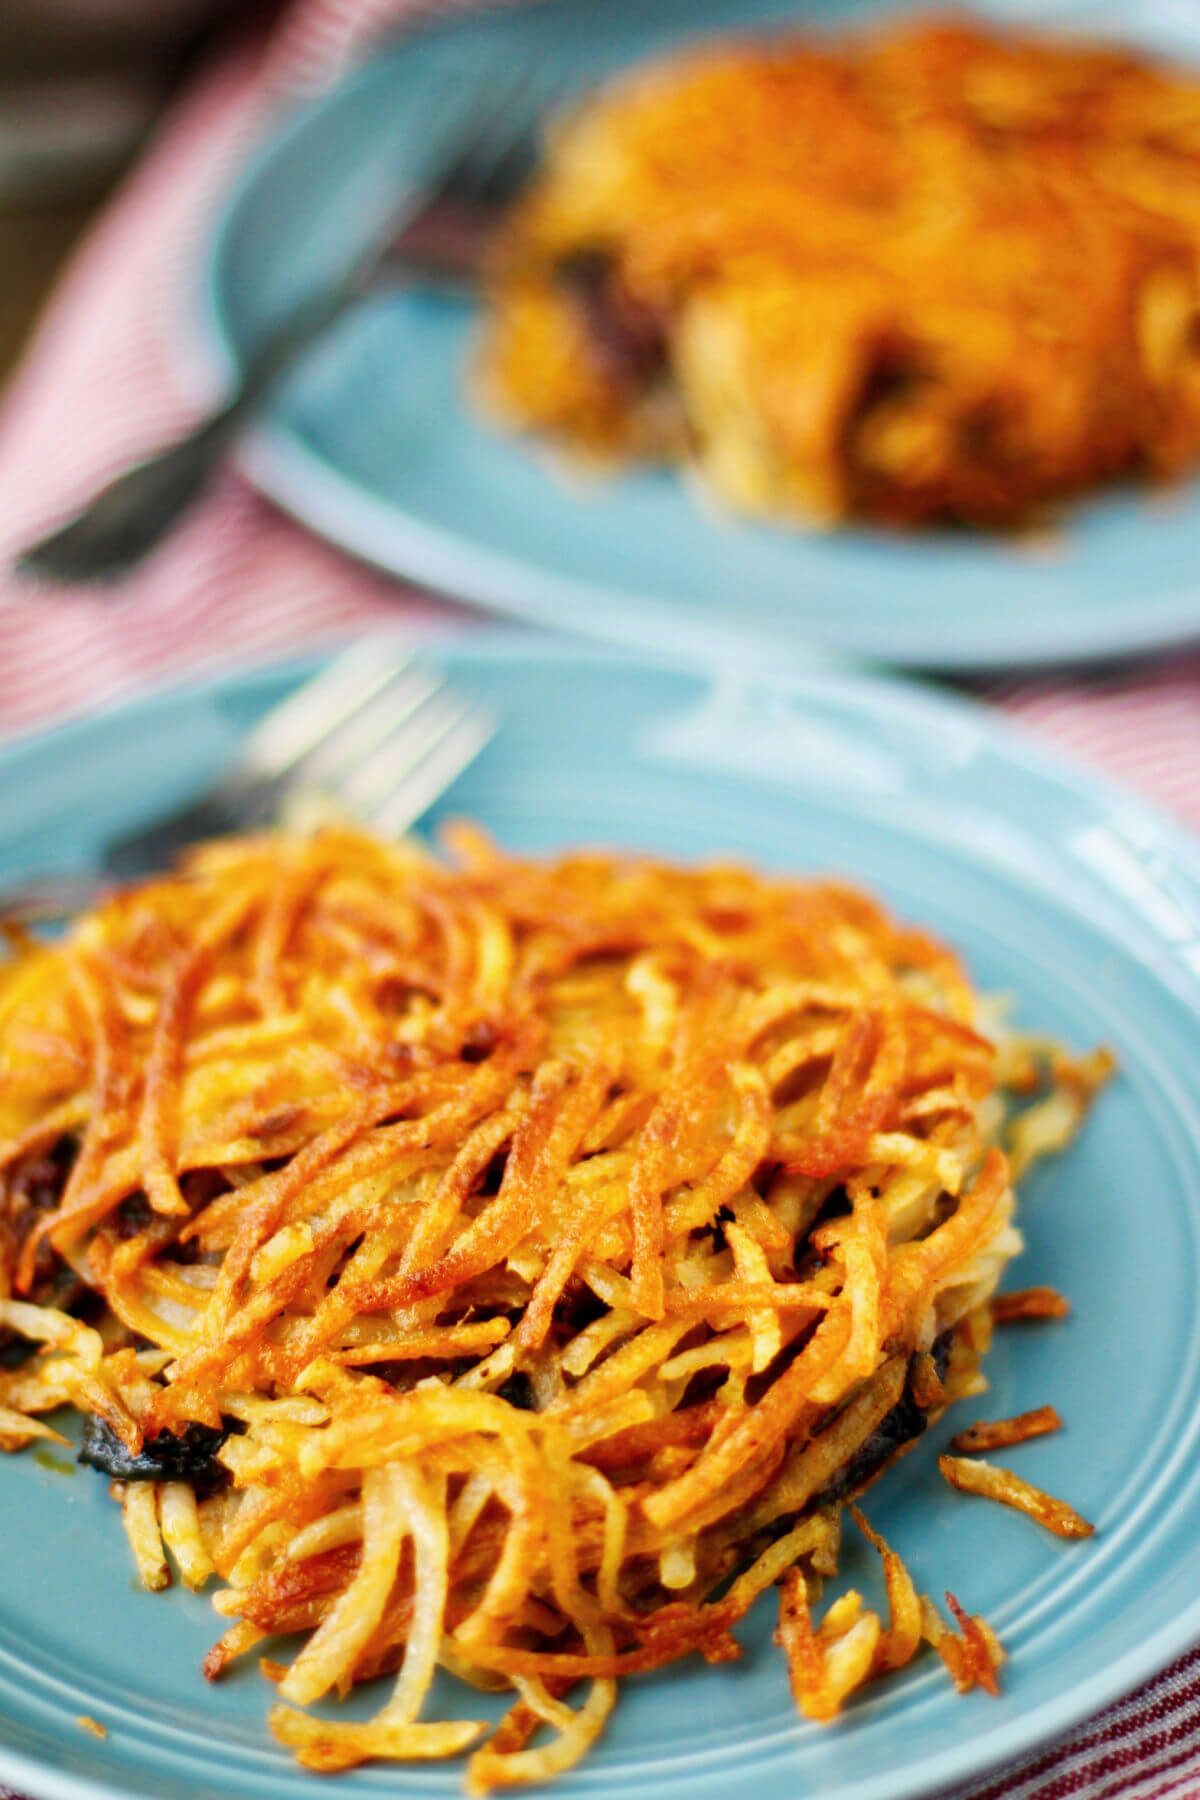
938, 271
515, 1266
383, 444
1036, 874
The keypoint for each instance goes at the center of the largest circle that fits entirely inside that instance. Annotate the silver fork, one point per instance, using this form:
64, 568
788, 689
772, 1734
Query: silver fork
473, 164
378, 736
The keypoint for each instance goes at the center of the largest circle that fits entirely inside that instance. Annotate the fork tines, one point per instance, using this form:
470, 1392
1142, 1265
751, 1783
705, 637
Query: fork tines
377, 733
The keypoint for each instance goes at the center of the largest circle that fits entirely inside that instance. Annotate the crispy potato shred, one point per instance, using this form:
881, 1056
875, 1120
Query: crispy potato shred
505, 1266
1028, 1303
931, 272
994, 1483
1001, 1433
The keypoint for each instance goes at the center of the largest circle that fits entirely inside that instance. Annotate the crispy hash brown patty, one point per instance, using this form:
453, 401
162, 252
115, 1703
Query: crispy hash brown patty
932, 274
509, 1265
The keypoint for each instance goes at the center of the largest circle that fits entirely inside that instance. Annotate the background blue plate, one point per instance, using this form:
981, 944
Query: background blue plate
376, 444
1075, 899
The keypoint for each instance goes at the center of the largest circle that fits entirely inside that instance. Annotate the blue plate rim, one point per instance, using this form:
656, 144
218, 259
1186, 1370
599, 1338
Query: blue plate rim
321, 497
503, 642
983, 1750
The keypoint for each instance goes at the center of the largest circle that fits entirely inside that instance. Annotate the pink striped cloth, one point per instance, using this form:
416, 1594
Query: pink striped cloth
100, 384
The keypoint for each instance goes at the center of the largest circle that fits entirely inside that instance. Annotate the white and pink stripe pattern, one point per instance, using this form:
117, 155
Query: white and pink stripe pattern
1142, 726
240, 581
1146, 1747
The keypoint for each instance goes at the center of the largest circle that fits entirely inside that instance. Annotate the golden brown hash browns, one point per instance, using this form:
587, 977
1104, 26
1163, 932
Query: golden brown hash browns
934, 273
506, 1265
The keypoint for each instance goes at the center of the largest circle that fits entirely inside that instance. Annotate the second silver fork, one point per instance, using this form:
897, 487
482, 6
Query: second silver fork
477, 157
378, 736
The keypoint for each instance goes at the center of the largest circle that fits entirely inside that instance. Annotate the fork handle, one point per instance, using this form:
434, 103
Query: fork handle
285, 342
129, 517
238, 805
46, 899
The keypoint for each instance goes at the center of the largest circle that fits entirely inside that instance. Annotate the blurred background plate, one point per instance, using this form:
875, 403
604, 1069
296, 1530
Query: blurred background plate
1078, 901
376, 445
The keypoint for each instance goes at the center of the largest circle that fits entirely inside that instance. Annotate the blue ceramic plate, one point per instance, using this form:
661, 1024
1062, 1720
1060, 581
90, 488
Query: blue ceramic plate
1071, 897
376, 445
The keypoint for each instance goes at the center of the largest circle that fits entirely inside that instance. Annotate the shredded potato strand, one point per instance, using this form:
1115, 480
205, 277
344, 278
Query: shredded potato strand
994, 1483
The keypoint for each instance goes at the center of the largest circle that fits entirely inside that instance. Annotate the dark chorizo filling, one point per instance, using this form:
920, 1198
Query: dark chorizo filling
627, 339
190, 1456
33, 1190
901, 1426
